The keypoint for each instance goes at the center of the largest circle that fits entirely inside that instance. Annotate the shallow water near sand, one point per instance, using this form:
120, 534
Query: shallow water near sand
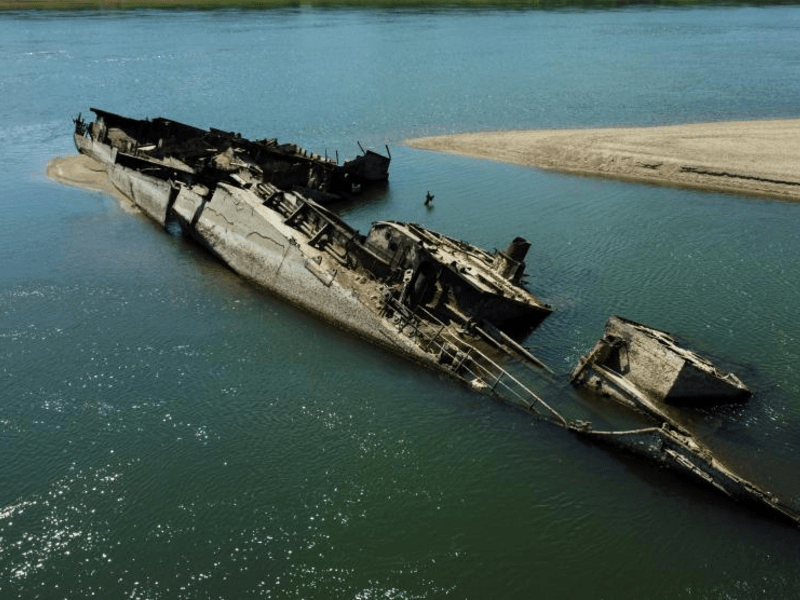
169, 431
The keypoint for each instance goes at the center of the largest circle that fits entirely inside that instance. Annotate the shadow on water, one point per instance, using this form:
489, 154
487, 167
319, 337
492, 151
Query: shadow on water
373, 197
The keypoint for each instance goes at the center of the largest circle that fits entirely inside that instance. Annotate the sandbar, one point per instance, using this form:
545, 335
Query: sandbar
759, 158
79, 170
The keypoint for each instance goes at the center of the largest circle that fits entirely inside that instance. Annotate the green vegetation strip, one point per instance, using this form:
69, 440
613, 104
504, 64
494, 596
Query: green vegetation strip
211, 4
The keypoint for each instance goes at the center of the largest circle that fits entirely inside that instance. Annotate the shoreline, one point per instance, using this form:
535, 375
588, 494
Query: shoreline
83, 172
759, 158
268, 4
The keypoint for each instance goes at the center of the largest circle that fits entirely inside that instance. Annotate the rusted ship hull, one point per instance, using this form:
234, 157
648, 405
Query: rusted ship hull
369, 167
647, 370
291, 245
228, 156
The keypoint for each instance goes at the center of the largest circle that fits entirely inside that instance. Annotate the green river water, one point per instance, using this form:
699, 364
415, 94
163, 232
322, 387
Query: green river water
168, 430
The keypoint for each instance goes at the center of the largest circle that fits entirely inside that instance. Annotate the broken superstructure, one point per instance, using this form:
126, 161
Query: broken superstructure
193, 154
444, 303
646, 368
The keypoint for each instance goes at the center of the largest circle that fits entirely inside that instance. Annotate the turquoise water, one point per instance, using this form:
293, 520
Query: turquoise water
169, 431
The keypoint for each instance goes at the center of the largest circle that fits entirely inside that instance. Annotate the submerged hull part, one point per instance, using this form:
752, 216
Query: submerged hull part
645, 368
679, 452
441, 302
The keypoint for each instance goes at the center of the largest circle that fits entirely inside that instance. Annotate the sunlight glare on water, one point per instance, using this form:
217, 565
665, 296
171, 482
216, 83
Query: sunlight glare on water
170, 431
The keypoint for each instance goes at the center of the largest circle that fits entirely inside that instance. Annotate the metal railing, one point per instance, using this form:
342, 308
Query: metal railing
468, 363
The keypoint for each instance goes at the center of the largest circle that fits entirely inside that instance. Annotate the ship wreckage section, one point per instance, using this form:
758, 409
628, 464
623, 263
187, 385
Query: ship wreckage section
188, 153
444, 303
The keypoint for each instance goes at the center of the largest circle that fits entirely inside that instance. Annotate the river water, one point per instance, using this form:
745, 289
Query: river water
169, 431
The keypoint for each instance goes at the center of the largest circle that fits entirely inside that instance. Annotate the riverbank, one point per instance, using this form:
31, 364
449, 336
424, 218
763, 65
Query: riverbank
210, 4
746, 157
132, 4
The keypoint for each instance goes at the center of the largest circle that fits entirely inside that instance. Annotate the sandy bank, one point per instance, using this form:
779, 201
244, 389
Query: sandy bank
748, 157
81, 171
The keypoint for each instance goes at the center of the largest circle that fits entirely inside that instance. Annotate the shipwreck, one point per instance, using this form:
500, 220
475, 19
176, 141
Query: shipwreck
646, 369
440, 301
444, 303
189, 154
